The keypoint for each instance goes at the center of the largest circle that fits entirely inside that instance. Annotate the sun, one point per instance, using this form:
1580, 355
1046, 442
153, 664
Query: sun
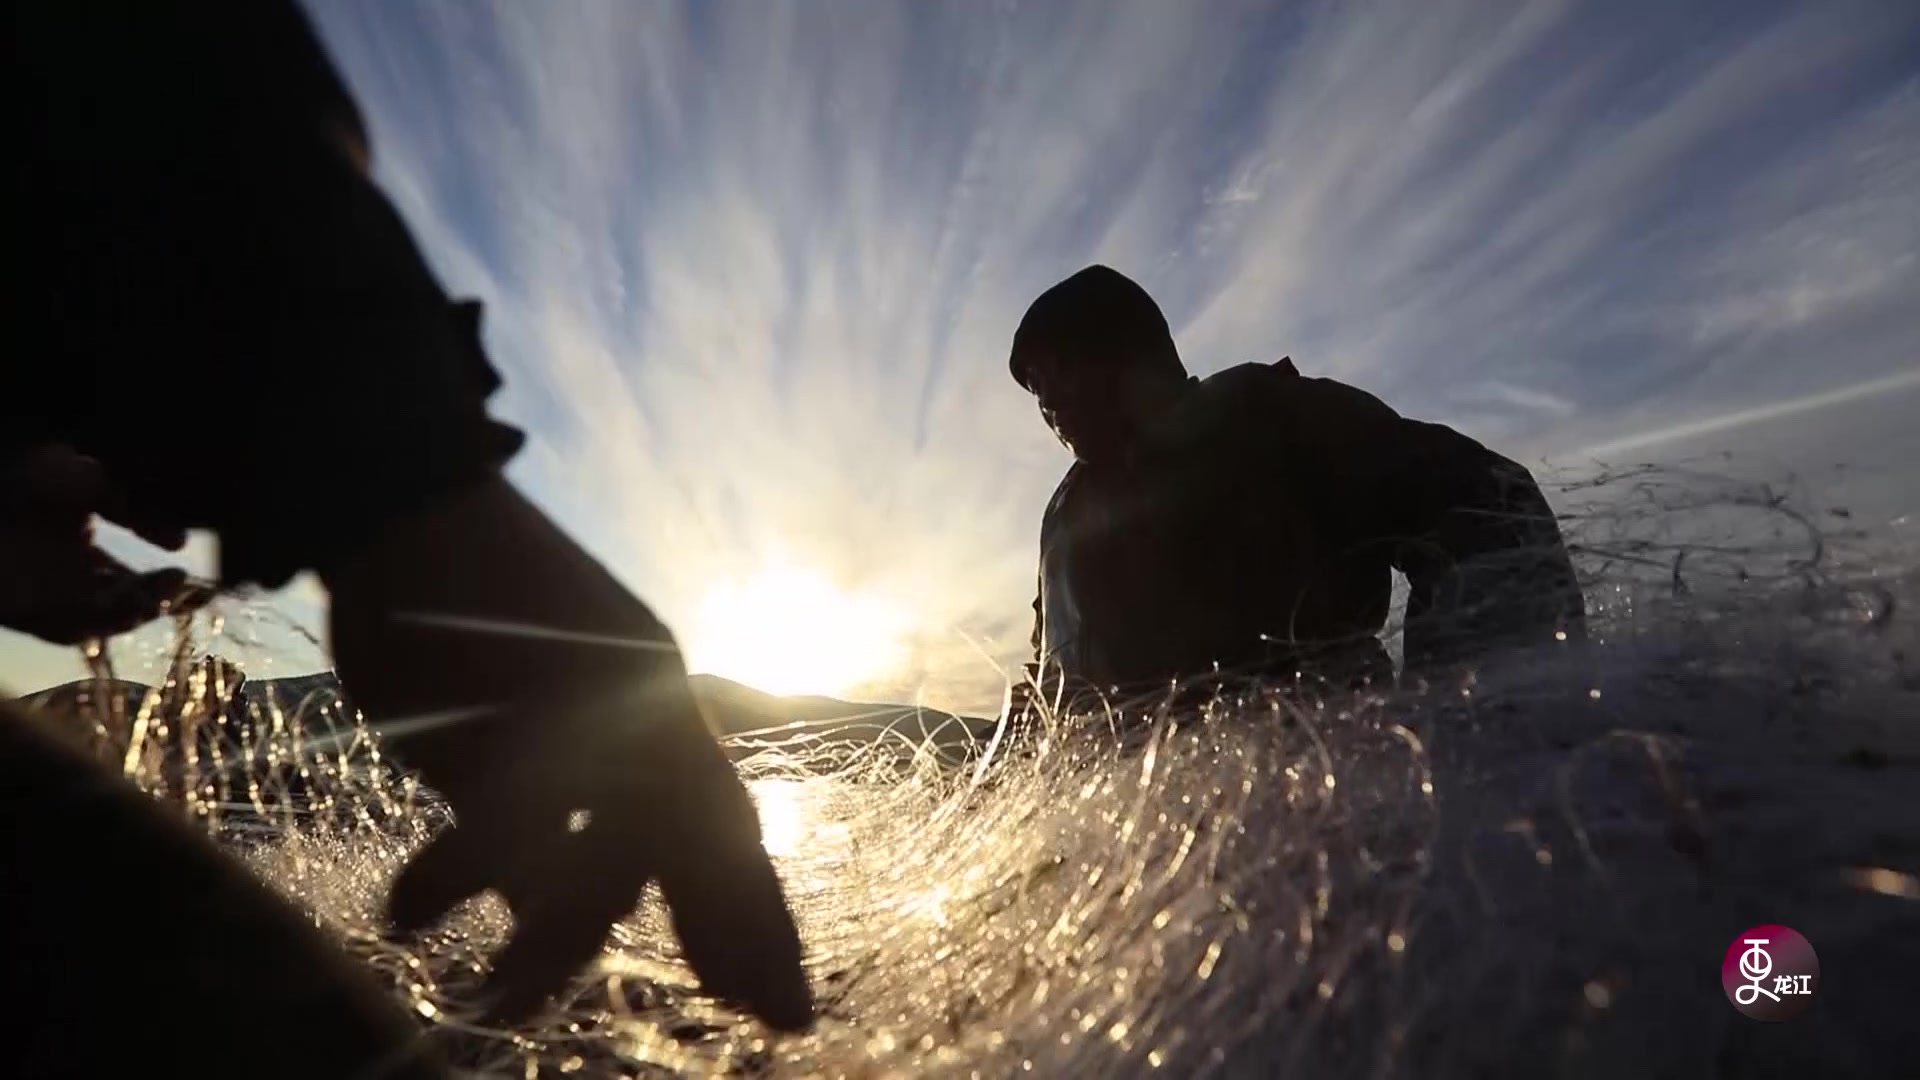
790, 631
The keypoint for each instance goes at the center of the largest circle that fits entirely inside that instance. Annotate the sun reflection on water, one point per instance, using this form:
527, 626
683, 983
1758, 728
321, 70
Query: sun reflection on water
791, 822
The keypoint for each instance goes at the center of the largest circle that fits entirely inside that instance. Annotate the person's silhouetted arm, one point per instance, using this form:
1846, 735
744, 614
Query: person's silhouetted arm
1023, 683
1485, 562
1484, 559
1038, 638
542, 688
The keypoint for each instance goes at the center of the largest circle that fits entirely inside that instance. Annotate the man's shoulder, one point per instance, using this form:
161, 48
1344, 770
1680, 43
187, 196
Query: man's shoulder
1257, 396
1256, 390
1224, 398
1251, 377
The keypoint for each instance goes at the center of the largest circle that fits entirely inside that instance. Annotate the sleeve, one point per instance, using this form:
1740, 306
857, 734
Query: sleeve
1041, 674
1021, 688
1037, 640
259, 343
1485, 562
1483, 555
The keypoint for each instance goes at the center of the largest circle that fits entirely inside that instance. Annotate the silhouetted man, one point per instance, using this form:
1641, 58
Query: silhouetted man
197, 238
1248, 521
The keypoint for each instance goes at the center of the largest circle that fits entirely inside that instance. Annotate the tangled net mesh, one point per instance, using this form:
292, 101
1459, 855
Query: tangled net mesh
1535, 868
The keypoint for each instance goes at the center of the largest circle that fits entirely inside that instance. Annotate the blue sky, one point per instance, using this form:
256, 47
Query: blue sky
752, 268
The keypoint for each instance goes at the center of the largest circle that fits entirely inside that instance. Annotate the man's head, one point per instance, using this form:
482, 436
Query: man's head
1096, 352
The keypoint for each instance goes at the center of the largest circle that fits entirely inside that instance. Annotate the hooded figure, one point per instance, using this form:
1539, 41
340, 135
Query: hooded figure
1247, 523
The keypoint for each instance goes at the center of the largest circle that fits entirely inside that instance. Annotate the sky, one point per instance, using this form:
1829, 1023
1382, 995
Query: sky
752, 269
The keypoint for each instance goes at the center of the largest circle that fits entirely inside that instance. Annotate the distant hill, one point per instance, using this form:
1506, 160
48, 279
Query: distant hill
316, 699
754, 717
79, 696
748, 718
279, 745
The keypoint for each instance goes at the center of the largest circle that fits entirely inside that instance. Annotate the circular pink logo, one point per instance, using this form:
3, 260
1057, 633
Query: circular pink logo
1770, 973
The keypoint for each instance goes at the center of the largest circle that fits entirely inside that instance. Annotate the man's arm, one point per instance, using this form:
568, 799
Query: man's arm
1040, 676
1037, 640
1022, 685
1485, 563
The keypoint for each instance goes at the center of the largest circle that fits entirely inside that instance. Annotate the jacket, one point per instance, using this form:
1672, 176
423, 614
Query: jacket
1255, 529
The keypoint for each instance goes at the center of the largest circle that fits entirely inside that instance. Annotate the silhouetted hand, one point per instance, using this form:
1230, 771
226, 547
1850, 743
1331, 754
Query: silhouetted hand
551, 709
55, 583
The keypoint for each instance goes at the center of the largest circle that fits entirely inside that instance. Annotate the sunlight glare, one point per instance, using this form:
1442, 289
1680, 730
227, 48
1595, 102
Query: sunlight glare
783, 817
787, 631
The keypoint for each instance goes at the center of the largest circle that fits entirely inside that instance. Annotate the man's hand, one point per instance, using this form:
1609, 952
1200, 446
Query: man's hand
551, 709
54, 582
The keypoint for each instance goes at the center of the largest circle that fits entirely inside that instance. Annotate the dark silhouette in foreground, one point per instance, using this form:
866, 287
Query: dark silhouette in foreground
1248, 522
199, 232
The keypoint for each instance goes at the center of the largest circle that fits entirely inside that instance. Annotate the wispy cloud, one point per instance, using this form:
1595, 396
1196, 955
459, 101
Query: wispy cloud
753, 268
1739, 418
